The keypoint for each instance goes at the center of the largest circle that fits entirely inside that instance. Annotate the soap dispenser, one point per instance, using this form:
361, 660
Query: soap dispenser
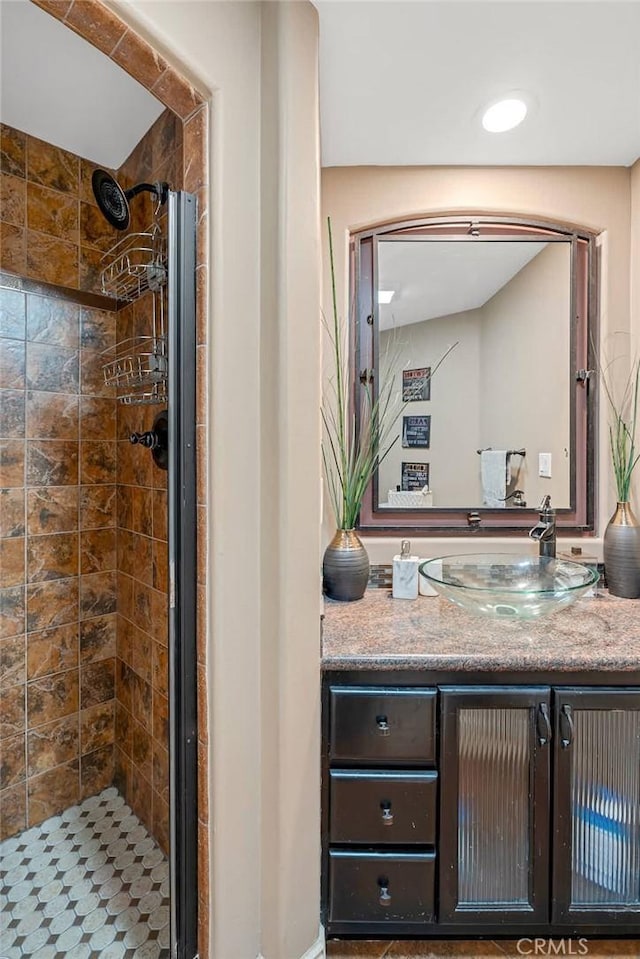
405, 573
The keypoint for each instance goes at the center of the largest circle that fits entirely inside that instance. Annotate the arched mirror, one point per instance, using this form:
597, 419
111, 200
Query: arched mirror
509, 417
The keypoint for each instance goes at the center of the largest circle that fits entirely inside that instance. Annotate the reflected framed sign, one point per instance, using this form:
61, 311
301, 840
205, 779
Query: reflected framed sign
416, 432
416, 385
415, 476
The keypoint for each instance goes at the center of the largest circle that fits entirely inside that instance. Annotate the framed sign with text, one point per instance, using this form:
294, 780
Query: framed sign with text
416, 432
416, 385
415, 476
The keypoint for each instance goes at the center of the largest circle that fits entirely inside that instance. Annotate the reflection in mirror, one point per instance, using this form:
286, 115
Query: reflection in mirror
509, 417
474, 436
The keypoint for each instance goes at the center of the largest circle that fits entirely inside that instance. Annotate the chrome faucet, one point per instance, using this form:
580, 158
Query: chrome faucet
545, 529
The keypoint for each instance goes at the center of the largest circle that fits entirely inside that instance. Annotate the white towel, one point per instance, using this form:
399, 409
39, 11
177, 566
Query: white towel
494, 472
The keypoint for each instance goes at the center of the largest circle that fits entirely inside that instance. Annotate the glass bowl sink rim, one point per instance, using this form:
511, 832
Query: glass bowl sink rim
510, 559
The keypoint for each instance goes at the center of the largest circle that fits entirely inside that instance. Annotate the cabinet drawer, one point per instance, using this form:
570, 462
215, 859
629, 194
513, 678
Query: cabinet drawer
390, 726
381, 887
383, 808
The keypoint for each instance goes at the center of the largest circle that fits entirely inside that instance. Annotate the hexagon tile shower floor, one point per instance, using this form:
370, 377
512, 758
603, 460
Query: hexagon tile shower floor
90, 883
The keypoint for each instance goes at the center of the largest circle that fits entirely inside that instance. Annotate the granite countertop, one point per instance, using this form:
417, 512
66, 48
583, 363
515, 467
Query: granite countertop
597, 634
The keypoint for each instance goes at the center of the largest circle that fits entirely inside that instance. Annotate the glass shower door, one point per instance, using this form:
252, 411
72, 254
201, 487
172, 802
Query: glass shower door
597, 806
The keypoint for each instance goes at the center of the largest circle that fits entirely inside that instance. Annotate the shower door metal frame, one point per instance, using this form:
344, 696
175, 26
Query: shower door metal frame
182, 506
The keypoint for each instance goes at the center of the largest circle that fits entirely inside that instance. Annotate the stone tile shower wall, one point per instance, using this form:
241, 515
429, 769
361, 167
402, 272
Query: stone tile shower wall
50, 227
104, 29
142, 684
57, 555
142, 709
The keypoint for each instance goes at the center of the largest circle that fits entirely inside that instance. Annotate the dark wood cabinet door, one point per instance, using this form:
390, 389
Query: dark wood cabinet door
596, 871
494, 807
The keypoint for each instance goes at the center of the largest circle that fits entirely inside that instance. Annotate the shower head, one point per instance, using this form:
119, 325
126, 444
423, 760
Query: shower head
114, 201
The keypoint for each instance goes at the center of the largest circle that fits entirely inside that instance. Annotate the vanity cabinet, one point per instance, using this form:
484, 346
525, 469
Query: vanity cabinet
481, 809
374, 805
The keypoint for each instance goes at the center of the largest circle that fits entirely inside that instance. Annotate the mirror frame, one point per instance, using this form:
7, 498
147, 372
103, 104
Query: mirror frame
579, 518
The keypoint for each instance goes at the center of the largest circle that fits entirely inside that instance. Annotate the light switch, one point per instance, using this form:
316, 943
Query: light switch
544, 465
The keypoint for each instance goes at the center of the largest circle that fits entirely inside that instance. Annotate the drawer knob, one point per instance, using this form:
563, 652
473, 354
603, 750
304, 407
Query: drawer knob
387, 815
383, 725
384, 898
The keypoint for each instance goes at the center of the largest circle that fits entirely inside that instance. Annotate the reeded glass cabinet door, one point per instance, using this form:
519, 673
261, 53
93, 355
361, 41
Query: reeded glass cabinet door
597, 804
495, 804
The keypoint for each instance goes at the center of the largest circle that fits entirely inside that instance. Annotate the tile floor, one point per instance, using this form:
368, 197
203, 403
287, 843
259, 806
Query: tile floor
90, 883
413, 949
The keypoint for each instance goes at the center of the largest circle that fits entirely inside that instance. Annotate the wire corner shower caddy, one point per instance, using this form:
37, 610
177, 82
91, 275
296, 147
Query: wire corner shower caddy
137, 366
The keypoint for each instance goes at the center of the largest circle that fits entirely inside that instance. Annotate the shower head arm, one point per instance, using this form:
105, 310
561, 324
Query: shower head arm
160, 189
113, 201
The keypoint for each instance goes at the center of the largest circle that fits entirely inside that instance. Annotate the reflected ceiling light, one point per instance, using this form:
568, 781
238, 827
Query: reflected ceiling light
504, 115
385, 296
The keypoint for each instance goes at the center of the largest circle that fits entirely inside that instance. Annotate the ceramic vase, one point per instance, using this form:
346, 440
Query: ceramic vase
345, 568
621, 551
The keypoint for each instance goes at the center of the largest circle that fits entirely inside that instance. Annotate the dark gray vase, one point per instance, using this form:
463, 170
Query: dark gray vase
345, 568
621, 551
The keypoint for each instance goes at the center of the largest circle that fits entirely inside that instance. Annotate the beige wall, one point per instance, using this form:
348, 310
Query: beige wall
259, 64
597, 198
452, 457
635, 277
523, 398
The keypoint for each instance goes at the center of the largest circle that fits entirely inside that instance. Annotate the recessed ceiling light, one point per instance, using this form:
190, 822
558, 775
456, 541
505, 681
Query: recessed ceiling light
504, 115
385, 296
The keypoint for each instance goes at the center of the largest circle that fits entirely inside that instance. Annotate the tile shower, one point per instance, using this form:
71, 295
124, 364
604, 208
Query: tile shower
83, 547
88, 883
58, 557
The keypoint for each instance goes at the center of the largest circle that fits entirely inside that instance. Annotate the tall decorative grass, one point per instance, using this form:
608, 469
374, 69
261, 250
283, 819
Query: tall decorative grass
623, 429
352, 455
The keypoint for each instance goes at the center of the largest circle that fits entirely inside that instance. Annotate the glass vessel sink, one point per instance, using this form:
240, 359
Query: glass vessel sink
507, 585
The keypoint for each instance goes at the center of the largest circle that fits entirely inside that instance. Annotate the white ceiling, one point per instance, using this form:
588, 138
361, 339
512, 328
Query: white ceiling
56, 86
400, 82
407, 82
439, 279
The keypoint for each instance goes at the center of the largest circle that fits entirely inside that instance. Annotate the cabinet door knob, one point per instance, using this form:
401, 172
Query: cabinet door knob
384, 898
544, 725
566, 726
387, 815
383, 725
